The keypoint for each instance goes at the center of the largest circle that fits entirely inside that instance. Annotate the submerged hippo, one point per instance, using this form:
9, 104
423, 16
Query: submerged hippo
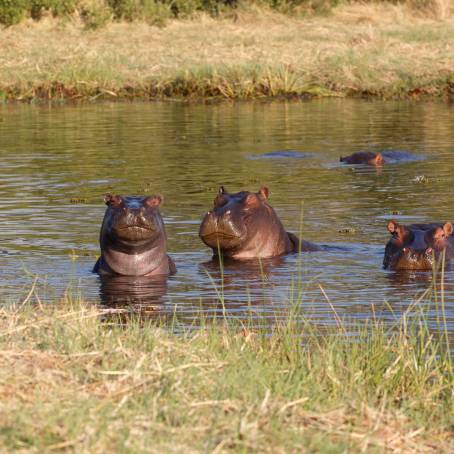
133, 239
364, 157
243, 226
417, 246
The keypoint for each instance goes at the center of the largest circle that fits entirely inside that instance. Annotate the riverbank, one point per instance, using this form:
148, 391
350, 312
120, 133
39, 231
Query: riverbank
73, 378
371, 50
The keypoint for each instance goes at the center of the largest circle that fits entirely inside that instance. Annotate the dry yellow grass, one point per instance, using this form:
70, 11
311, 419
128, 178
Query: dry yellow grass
383, 50
71, 381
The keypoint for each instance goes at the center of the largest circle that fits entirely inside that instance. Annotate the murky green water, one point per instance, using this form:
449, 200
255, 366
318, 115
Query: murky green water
50, 155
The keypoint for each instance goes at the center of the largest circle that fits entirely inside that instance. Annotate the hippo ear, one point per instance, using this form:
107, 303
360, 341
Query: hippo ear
110, 199
222, 190
378, 160
263, 193
448, 229
154, 201
443, 232
394, 228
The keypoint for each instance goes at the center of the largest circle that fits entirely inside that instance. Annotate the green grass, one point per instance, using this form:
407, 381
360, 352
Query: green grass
96, 13
74, 377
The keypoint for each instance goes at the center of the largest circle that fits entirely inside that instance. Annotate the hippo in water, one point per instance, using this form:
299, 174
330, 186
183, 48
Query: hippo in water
243, 226
364, 157
417, 246
133, 239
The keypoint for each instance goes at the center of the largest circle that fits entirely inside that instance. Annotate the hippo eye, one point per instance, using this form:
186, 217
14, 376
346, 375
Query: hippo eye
220, 201
250, 200
112, 200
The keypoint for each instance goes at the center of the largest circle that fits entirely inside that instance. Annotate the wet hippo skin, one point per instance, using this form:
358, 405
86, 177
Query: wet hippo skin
243, 225
133, 239
418, 246
364, 157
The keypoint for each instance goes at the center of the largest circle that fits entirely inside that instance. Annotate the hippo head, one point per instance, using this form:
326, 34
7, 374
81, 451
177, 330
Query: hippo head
415, 247
240, 222
364, 157
131, 224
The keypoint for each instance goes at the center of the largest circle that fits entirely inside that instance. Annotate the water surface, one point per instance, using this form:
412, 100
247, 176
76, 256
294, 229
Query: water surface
57, 163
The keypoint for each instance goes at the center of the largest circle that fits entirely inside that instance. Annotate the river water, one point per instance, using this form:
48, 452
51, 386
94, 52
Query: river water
57, 163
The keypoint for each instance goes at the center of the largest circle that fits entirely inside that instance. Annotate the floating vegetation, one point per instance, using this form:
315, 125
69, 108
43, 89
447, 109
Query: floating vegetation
77, 200
348, 230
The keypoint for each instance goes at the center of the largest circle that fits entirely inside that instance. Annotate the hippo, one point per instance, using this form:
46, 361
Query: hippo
133, 239
417, 246
364, 157
243, 225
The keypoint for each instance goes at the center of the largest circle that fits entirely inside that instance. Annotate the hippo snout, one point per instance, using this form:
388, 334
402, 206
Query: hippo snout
220, 229
413, 259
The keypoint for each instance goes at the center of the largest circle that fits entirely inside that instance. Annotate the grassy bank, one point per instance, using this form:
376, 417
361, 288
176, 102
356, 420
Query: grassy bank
373, 50
73, 379
96, 13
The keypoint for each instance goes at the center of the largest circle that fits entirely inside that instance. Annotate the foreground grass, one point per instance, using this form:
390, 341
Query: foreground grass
380, 50
74, 379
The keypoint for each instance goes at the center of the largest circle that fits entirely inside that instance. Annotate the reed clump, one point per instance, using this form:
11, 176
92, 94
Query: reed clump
76, 377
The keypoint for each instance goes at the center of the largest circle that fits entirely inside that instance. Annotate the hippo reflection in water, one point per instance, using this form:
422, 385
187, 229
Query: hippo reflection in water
417, 246
246, 285
133, 239
242, 225
138, 294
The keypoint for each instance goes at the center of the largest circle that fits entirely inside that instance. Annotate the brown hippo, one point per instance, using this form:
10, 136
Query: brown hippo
243, 226
416, 246
133, 239
364, 157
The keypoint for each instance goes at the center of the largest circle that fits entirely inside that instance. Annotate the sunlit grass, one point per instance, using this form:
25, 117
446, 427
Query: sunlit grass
77, 377
358, 50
